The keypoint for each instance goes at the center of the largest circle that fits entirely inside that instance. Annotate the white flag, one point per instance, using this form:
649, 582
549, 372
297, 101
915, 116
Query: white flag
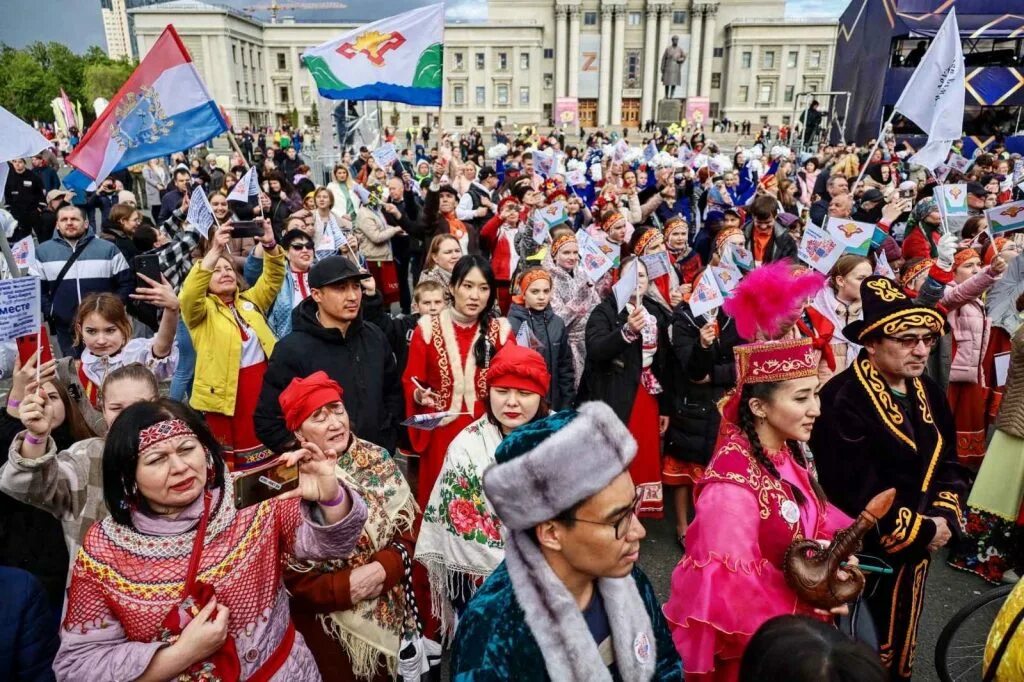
247, 186
527, 339
625, 288
882, 266
934, 95
19, 140
200, 213
706, 296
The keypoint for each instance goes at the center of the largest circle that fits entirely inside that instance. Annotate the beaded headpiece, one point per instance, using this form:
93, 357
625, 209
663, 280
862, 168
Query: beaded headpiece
644, 241
562, 241
161, 431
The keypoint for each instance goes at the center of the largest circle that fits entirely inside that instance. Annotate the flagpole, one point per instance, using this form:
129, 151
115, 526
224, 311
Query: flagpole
878, 142
234, 144
380, 125
942, 194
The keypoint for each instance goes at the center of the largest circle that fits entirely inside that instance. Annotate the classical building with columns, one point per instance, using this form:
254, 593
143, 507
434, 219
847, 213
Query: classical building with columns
530, 60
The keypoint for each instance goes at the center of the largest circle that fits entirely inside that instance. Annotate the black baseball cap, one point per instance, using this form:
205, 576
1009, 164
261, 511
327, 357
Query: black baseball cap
334, 269
977, 189
487, 172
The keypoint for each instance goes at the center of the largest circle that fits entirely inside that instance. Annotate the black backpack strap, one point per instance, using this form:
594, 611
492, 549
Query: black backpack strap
55, 284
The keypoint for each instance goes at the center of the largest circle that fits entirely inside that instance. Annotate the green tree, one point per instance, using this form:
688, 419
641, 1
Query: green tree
63, 65
26, 89
104, 80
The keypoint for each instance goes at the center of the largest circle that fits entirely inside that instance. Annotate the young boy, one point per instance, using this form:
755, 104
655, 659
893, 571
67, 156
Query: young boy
428, 299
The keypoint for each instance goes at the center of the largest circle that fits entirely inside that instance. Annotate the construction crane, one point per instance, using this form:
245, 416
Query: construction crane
274, 7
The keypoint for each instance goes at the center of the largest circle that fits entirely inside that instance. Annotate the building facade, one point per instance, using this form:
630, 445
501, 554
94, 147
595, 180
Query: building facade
115, 27
528, 61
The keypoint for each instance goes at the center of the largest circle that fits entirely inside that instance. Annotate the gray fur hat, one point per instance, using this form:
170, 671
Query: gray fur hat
546, 467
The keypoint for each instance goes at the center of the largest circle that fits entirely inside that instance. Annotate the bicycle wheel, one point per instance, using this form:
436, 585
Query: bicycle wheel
960, 649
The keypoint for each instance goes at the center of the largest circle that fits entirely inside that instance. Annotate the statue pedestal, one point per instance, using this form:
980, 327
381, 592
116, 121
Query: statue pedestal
670, 111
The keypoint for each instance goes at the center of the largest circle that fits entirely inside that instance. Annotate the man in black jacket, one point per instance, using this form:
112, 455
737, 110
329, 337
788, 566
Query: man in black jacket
329, 334
400, 210
23, 194
172, 198
767, 238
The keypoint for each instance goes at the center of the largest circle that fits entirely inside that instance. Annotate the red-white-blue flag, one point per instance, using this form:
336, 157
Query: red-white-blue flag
163, 107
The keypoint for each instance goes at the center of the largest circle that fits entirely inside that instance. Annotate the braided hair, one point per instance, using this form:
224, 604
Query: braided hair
747, 424
483, 350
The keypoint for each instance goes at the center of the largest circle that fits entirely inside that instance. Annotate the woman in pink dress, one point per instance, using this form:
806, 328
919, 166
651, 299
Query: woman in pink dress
762, 481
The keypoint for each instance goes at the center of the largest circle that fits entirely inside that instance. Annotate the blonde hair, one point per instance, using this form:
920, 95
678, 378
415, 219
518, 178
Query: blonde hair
435, 247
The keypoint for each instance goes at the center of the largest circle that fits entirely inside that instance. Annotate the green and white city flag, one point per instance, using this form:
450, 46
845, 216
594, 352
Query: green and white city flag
396, 59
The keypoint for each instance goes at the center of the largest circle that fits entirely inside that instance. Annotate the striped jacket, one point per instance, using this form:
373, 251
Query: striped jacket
101, 268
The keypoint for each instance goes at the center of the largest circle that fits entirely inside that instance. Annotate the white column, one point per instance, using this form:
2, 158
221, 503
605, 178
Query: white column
709, 47
604, 80
693, 58
618, 63
574, 51
651, 61
561, 48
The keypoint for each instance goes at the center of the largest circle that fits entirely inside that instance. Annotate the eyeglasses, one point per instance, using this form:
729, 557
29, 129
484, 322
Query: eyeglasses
305, 246
623, 522
910, 342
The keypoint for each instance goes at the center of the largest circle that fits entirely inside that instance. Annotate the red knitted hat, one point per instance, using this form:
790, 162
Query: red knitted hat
304, 396
519, 367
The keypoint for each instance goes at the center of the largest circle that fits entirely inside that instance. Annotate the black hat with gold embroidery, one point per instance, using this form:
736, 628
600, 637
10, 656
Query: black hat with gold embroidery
888, 312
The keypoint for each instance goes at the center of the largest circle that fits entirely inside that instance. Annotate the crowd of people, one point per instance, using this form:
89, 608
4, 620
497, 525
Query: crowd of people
481, 370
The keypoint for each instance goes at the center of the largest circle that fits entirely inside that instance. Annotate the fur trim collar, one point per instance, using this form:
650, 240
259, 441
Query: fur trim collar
557, 624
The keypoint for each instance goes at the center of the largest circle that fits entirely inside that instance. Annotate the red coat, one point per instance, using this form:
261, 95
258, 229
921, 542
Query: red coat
915, 245
441, 357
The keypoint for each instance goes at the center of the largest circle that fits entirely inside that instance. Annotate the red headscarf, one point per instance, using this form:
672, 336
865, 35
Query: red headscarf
303, 397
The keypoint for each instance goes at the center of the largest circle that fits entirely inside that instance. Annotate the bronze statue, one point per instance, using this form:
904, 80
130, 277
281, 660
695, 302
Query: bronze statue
672, 67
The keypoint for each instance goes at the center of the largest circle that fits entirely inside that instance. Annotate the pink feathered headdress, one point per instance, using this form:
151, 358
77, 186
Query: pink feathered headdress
770, 297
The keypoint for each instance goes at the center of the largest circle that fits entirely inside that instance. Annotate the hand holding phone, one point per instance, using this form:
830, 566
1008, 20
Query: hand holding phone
264, 482
28, 345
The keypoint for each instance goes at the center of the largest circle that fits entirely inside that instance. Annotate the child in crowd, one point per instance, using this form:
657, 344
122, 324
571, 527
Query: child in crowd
544, 333
428, 299
102, 325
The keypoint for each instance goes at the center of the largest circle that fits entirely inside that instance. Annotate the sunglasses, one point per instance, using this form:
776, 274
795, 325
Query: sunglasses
304, 246
910, 342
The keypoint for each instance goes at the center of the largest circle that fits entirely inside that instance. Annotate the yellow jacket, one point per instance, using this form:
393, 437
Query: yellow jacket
215, 333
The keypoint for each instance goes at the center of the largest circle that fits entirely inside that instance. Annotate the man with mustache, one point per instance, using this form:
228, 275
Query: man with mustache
888, 426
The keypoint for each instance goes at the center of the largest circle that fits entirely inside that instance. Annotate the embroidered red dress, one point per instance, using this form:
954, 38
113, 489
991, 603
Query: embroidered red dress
441, 357
730, 581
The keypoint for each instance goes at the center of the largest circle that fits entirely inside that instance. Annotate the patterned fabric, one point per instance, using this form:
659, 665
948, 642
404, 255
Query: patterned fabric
461, 535
743, 556
67, 484
442, 277
1012, 666
125, 581
573, 297
161, 431
370, 632
175, 258
991, 546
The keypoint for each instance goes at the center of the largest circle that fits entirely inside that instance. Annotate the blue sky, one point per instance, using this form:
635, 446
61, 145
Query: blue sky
26, 21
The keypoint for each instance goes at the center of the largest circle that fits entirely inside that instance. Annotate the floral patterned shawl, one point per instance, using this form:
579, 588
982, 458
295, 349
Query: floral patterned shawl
460, 539
371, 631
